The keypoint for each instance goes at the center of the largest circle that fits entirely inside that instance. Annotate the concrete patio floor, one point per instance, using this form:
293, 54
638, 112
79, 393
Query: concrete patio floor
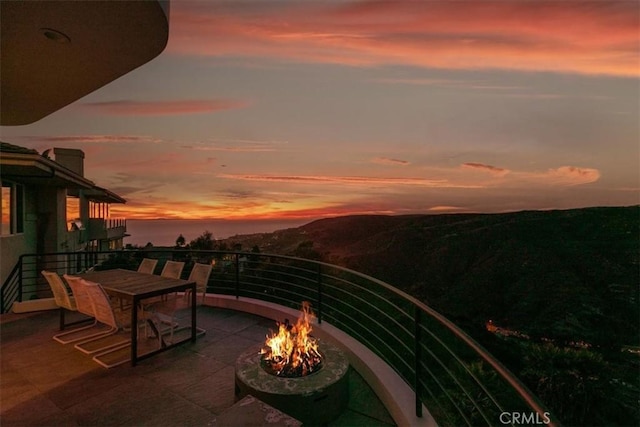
45, 383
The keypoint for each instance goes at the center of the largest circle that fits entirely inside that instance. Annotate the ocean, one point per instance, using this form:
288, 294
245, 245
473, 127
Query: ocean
164, 232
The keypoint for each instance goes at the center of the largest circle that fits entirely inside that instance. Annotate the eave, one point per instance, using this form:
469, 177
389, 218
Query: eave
53, 53
35, 169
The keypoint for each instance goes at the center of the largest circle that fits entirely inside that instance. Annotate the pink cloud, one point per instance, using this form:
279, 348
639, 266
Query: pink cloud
576, 37
449, 83
163, 108
486, 168
97, 139
231, 149
572, 175
561, 176
487, 88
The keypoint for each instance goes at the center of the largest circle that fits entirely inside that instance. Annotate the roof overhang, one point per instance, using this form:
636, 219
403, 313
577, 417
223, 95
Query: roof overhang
55, 52
36, 169
99, 194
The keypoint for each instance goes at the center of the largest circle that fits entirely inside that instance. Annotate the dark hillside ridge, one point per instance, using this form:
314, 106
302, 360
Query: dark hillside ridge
563, 274
562, 286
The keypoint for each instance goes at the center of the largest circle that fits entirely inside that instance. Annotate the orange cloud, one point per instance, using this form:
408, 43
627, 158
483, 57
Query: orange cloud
446, 209
350, 180
575, 37
388, 161
245, 211
163, 108
486, 168
237, 145
150, 196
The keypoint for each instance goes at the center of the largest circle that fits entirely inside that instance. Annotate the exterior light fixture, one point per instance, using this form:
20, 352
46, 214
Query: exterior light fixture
55, 35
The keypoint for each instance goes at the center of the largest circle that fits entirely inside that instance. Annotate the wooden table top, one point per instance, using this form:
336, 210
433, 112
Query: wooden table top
132, 284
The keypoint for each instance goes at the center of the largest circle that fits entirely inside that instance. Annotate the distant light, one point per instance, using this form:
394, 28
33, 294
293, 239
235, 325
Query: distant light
55, 35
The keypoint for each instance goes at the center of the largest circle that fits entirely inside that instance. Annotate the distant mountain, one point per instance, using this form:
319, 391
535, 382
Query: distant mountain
562, 274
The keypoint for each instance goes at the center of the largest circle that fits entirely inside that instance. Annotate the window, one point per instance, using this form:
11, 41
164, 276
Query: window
73, 208
6, 209
12, 209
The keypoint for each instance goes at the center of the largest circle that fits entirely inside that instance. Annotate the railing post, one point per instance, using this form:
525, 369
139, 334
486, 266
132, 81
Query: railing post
319, 310
418, 357
20, 264
237, 275
2, 288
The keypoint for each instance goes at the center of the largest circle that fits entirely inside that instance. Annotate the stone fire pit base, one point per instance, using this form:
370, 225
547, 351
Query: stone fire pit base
315, 399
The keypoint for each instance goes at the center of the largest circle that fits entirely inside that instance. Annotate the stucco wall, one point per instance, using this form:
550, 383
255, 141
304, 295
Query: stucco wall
11, 247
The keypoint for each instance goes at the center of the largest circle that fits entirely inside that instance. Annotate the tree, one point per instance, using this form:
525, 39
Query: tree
579, 386
306, 250
180, 241
204, 242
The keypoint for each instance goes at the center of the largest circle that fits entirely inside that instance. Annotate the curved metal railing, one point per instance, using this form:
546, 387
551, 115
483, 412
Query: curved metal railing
451, 374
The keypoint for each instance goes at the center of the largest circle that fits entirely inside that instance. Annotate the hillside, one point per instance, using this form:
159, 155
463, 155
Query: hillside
569, 271
564, 285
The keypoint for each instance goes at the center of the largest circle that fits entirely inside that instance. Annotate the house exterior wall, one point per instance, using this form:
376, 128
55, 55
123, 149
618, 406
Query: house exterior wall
14, 245
11, 247
52, 214
45, 227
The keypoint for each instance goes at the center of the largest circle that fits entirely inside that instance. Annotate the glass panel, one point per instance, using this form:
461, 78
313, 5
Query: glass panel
19, 211
73, 208
6, 209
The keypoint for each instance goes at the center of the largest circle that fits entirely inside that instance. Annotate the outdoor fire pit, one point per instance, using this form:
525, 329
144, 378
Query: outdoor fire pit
296, 374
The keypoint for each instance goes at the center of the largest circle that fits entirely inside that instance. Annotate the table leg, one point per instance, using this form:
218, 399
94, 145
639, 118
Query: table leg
193, 312
134, 332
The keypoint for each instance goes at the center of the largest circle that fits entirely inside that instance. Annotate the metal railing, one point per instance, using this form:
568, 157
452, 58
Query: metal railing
451, 374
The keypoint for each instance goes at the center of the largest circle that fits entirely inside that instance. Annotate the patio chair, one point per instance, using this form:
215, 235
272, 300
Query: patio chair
199, 274
172, 269
147, 265
116, 340
163, 312
84, 306
83, 303
162, 316
61, 295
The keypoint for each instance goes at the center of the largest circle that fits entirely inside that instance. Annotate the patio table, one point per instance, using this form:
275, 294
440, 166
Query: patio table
134, 287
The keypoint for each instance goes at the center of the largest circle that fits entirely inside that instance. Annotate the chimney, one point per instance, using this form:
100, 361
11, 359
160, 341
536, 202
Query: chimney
71, 159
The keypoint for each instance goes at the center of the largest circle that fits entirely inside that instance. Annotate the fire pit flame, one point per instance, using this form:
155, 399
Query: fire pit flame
292, 352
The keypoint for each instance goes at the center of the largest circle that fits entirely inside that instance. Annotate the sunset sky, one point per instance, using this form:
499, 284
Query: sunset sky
308, 109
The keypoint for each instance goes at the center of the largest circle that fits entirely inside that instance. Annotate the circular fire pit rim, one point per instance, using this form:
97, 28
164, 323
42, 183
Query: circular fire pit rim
396, 395
250, 372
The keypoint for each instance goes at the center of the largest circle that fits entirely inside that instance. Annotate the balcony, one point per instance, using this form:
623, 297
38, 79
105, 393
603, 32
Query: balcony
422, 368
106, 228
189, 385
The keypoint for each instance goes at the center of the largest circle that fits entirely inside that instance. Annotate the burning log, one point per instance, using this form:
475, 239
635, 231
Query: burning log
292, 352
